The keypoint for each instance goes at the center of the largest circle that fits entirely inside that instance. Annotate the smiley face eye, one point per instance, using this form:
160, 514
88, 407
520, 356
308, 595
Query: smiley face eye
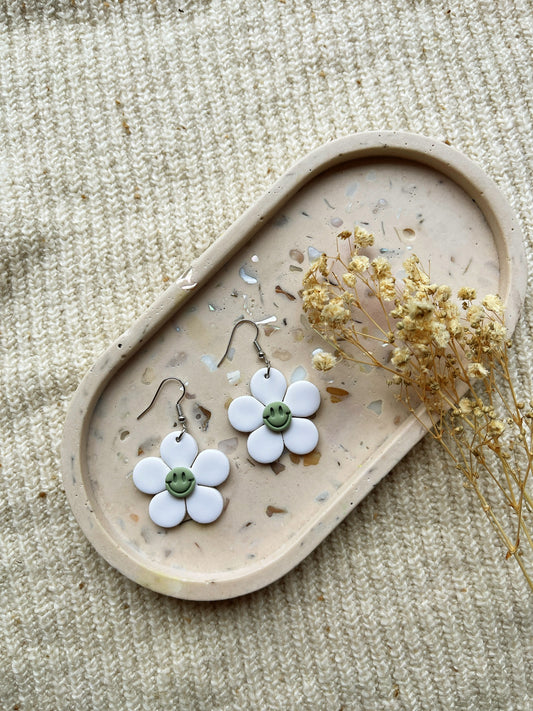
271, 412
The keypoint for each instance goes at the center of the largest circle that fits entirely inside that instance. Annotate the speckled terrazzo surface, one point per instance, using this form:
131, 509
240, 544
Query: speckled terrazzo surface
271, 510
133, 134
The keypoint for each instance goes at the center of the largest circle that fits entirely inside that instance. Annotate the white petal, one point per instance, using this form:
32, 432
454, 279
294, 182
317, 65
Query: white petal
303, 398
178, 454
149, 475
264, 445
267, 390
245, 413
301, 437
210, 468
205, 504
166, 510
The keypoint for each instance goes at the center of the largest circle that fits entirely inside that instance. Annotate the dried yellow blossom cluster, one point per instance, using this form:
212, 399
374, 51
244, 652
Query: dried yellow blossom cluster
421, 321
322, 360
442, 350
329, 300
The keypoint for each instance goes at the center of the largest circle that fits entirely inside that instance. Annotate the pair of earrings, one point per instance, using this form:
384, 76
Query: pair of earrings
274, 416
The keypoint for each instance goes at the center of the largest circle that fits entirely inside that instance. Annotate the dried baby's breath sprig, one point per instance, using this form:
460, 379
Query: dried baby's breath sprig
448, 355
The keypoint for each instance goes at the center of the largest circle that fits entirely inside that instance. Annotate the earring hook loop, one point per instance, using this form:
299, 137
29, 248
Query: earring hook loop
260, 351
181, 416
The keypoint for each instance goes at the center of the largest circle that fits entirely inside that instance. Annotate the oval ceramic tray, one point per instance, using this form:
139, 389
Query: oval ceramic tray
415, 195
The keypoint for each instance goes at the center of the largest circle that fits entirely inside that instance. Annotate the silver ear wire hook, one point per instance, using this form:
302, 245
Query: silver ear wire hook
258, 348
181, 416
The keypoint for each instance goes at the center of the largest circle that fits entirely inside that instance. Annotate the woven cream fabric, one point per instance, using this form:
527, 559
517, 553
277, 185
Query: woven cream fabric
132, 133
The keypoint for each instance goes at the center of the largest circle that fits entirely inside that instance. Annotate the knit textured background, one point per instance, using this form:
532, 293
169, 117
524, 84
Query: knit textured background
132, 133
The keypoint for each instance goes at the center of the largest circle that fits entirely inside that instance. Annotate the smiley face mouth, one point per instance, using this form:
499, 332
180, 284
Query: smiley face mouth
180, 482
277, 416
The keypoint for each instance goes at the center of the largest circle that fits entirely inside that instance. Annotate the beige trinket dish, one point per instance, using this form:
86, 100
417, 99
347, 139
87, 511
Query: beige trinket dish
417, 196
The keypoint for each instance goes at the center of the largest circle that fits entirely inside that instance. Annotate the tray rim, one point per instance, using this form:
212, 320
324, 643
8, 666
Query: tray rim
379, 144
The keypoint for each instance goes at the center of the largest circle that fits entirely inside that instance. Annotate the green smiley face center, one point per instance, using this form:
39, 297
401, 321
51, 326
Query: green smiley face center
180, 482
277, 416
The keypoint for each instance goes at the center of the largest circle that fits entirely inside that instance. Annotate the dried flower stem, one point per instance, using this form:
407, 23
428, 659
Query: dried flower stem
449, 359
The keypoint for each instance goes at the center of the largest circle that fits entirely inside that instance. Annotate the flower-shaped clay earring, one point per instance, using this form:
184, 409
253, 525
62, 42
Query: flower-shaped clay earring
181, 479
274, 414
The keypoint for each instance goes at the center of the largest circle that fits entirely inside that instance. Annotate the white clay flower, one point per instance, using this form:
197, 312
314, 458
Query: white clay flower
275, 416
182, 482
